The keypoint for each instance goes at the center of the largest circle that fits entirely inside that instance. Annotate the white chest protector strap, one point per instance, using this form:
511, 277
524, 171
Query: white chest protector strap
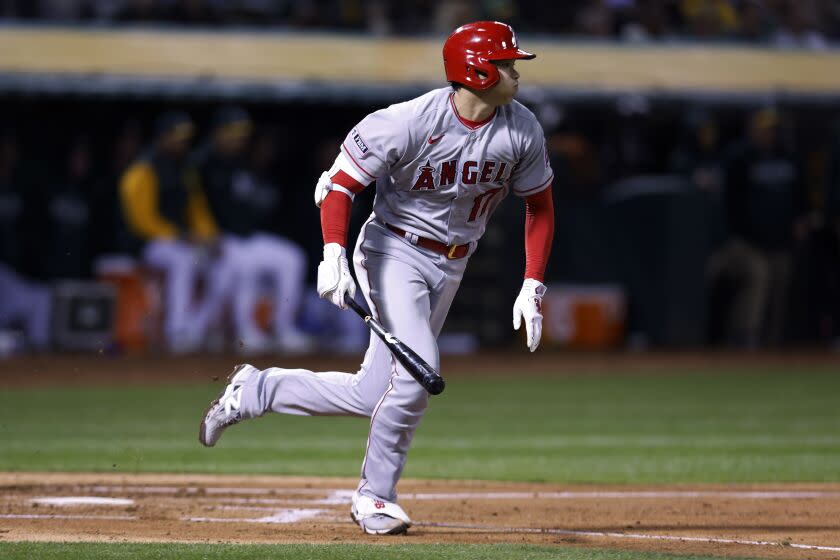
325, 184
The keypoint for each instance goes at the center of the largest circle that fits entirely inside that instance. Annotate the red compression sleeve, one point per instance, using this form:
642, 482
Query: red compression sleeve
539, 233
335, 217
335, 209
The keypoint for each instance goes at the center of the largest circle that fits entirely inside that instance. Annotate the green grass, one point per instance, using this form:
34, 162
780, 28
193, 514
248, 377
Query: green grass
49, 551
730, 426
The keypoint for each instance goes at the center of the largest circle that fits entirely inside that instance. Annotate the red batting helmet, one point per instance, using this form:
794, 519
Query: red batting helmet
468, 53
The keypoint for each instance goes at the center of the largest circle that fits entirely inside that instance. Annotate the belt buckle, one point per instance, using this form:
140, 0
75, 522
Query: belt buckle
451, 254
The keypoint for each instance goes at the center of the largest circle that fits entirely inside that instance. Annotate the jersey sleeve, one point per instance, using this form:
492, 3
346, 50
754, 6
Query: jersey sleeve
139, 200
532, 172
199, 216
376, 143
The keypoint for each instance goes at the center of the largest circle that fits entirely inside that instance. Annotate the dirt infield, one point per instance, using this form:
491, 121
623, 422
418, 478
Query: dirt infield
772, 521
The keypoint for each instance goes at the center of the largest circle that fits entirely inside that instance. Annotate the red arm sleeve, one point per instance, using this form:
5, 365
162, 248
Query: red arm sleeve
335, 210
539, 233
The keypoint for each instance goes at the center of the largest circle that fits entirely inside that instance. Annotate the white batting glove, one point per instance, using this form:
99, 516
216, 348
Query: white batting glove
334, 278
528, 306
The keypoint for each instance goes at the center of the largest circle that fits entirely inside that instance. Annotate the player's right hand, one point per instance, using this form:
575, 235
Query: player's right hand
334, 278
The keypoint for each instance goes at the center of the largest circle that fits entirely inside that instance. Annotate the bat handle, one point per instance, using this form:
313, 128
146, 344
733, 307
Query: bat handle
351, 303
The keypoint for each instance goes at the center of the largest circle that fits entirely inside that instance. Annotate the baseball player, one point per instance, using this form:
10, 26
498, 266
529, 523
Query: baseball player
165, 207
241, 205
442, 163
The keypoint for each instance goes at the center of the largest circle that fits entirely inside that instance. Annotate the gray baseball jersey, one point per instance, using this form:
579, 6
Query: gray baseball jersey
438, 177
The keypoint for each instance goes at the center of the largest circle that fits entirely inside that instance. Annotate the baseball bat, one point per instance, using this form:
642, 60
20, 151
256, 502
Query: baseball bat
425, 374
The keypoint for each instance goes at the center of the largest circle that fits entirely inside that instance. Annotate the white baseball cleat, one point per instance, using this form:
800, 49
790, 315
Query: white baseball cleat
224, 411
378, 517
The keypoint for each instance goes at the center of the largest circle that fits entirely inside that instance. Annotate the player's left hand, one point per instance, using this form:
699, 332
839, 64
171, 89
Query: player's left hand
528, 306
334, 278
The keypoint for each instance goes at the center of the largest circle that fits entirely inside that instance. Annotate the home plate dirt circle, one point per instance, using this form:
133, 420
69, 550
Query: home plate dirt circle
768, 520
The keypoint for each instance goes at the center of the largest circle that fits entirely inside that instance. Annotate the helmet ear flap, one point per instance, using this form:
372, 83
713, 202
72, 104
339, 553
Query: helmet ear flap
485, 74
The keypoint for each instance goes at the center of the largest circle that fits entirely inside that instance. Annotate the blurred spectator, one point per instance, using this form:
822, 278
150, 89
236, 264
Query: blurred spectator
196, 11
699, 156
165, 207
831, 285
596, 19
23, 304
815, 283
700, 159
243, 202
800, 26
18, 9
538, 16
143, 11
26, 305
13, 197
111, 234
407, 17
67, 220
65, 10
631, 149
790, 23
644, 20
576, 164
258, 11
763, 198
709, 18
756, 21
832, 205
453, 14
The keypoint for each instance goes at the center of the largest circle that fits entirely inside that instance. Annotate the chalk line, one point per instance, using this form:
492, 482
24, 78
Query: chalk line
622, 495
569, 532
81, 501
279, 516
59, 516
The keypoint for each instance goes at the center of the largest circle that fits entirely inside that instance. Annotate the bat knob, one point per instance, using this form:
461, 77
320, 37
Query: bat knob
436, 385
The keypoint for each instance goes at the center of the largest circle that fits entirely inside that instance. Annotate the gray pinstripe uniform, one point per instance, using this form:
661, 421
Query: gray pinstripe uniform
437, 177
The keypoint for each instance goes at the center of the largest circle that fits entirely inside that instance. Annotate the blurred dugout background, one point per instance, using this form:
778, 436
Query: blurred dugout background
696, 147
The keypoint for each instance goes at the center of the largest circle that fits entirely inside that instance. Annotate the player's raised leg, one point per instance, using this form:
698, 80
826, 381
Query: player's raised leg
251, 393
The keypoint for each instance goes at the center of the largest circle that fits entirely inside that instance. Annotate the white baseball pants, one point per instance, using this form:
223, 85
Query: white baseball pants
409, 289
